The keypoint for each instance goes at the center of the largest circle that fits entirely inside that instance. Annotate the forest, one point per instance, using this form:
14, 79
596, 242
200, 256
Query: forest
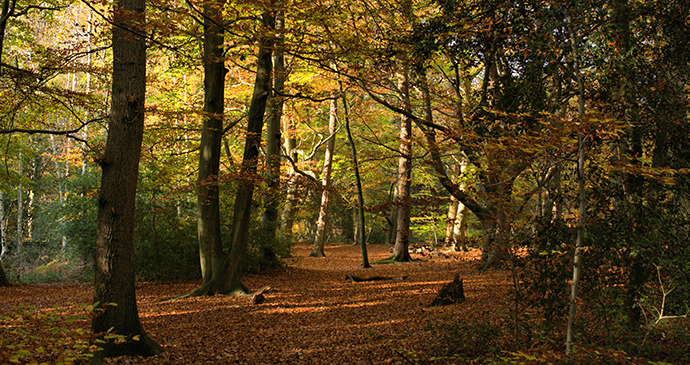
169, 166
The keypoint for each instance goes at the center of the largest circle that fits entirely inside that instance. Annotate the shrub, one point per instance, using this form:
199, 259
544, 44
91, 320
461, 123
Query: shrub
57, 335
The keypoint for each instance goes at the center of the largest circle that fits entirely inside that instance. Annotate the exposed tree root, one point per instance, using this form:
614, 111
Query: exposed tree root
207, 289
358, 279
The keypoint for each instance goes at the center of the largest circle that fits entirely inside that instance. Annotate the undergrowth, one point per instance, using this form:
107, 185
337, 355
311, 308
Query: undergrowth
58, 335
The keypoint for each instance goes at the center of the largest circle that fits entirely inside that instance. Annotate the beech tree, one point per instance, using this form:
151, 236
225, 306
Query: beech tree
114, 292
322, 222
208, 195
224, 274
269, 220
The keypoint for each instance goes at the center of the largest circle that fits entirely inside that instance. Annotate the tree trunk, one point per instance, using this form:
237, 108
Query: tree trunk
392, 219
360, 231
226, 275
5, 13
114, 264
243, 200
582, 198
630, 145
322, 222
3, 278
452, 222
460, 228
269, 219
61, 189
402, 233
497, 227
287, 215
208, 199
3, 241
3, 226
456, 227
20, 207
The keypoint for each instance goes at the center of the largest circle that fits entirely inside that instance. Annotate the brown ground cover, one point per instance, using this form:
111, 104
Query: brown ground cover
312, 314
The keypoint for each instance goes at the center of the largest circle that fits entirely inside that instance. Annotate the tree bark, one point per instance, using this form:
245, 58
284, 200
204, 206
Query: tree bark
401, 251
3, 241
582, 197
288, 213
360, 231
3, 226
20, 207
322, 222
460, 228
3, 278
452, 221
269, 220
392, 218
243, 200
5, 13
114, 264
208, 199
456, 227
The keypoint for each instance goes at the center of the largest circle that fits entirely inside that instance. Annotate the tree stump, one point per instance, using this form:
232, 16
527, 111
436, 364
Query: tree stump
450, 293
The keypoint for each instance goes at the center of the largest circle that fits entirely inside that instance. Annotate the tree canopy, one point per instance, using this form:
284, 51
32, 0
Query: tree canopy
560, 127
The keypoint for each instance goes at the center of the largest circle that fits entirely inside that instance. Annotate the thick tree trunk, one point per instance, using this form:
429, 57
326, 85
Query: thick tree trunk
460, 228
208, 199
322, 222
402, 232
497, 227
456, 227
3, 278
243, 200
269, 220
631, 185
114, 264
5, 13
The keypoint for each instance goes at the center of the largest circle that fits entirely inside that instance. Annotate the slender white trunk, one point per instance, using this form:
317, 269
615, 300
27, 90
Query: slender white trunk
322, 222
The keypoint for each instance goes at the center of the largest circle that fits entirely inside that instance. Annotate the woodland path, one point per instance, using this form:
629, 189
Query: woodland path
311, 315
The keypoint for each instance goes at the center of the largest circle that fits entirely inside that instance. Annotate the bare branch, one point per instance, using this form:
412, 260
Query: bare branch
67, 133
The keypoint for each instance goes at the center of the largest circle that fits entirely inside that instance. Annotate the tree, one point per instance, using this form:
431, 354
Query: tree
456, 226
269, 220
226, 271
322, 222
360, 235
208, 195
582, 198
114, 291
401, 250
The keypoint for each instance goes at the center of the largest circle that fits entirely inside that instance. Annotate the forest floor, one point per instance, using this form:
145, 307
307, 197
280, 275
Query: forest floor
312, 314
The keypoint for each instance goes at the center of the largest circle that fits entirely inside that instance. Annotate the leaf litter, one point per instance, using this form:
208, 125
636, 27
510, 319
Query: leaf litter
311, 315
